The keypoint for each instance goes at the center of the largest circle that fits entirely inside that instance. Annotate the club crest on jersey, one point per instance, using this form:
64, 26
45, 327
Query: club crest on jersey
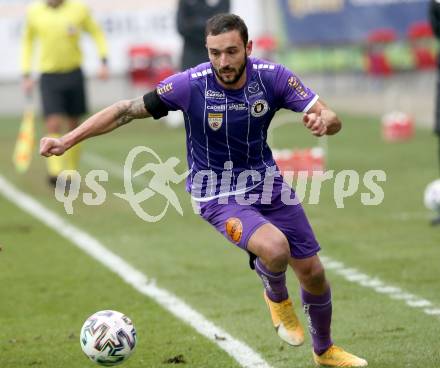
215, 120
259, 108
254, 87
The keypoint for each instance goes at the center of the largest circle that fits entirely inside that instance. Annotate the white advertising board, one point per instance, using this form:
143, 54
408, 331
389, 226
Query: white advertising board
126, 23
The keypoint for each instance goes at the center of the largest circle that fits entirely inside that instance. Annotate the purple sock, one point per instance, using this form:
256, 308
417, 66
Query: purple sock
273, 282
318, 310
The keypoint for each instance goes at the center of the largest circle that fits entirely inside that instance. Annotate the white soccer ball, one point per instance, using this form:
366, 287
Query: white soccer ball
432, 195
108, 338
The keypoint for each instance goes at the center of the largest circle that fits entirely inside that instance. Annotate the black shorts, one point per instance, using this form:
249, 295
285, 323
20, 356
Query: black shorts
63, 93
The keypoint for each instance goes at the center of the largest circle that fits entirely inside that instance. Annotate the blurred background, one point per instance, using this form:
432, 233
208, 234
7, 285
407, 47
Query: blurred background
377, 50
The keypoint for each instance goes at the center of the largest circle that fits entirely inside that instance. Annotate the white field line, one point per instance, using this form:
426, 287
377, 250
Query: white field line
393, 292
99, 162
348, 273
238, 350
410, 216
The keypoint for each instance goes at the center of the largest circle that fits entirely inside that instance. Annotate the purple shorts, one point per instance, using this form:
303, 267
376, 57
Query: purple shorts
237, 222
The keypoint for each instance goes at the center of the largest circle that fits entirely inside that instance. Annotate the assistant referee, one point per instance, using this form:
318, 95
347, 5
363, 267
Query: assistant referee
57, 26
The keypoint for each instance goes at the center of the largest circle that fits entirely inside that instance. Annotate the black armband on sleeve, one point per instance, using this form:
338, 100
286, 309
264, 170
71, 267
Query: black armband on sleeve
154, 105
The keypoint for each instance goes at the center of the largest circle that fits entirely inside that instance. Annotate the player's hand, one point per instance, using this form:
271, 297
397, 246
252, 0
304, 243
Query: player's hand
315, 123
52, 146
27, 84
103, 72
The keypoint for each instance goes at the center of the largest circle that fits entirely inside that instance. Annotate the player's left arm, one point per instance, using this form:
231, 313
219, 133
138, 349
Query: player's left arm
321, 120
292, 94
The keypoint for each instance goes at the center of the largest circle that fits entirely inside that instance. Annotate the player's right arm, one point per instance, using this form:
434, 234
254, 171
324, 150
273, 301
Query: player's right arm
112, 117
171, 94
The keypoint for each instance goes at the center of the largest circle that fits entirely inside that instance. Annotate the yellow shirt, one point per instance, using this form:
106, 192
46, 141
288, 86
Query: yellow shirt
58, 31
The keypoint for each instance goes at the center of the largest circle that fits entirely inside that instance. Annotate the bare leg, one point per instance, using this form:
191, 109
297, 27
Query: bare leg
54, 123
310, 274
72, 156
72, 122
55, 164
271, 246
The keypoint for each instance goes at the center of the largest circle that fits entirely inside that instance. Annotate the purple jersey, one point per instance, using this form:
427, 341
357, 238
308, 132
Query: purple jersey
226, 129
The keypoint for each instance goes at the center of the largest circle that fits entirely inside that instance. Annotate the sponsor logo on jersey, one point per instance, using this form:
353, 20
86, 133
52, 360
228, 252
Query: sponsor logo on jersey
254, 87
295, 84
259, 108
216, 107
237, 107
217, 95
215, 120
165, 88
263, 66
231, 107
234, 229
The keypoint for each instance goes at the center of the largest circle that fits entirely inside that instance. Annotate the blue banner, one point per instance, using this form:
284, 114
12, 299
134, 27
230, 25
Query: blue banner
348, 21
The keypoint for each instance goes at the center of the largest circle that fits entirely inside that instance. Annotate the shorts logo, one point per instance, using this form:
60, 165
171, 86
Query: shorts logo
253, 87
259, 108
215, 121
234, 229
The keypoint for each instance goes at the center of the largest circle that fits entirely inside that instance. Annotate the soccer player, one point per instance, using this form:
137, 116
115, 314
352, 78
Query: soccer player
57, 25
228, 105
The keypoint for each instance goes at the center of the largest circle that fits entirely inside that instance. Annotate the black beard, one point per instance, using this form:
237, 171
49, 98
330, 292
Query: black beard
237, 77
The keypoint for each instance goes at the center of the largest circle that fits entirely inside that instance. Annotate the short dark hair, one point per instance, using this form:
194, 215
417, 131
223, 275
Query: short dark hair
224, 22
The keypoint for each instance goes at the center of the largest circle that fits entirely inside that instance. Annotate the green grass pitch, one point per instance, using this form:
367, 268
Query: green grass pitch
48, 287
